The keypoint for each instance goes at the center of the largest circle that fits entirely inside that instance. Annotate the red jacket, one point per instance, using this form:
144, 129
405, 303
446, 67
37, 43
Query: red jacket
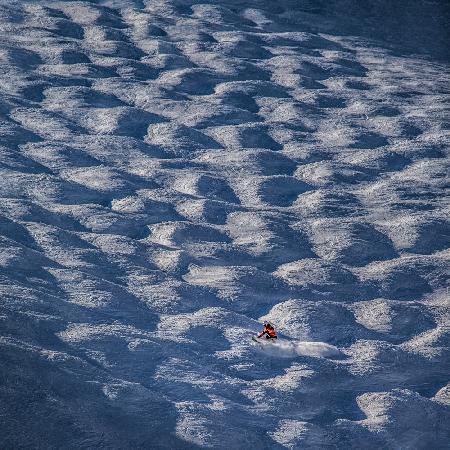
270, 331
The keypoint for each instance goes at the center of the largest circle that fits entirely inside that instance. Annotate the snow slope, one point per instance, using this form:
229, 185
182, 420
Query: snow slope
174, 172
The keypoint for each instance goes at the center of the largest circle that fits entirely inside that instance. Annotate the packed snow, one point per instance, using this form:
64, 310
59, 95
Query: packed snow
175, 172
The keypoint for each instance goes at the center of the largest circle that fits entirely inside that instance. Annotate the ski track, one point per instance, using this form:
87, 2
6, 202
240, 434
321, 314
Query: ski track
173, 173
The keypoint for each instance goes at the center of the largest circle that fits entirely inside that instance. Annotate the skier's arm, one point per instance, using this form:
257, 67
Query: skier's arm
262, 334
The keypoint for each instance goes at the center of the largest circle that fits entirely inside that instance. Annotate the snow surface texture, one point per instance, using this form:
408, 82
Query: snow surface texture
175, 172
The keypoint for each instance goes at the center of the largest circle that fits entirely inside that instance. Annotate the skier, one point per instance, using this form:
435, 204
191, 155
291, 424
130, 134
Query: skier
269, 331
